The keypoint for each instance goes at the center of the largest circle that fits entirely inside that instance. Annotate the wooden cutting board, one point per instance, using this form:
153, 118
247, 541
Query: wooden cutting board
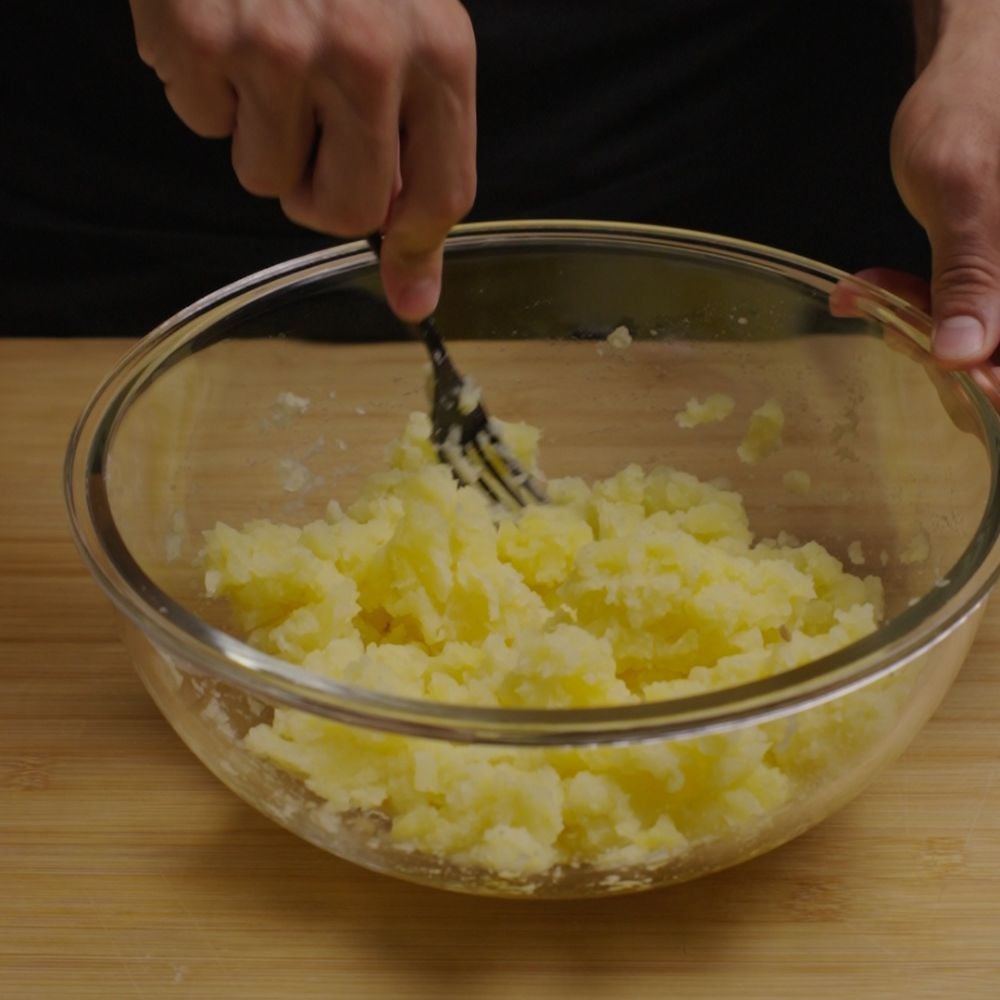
128, 871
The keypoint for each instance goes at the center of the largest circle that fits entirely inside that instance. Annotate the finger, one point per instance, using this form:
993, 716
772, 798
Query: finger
187, 60
987, 377
438, 167
851, 298
204, 100
412, 283
349, 188
274, 133
845, 295
965, 293
908, 287
953, 188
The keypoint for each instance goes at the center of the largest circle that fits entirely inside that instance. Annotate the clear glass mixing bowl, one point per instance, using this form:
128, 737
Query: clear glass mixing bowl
196, 425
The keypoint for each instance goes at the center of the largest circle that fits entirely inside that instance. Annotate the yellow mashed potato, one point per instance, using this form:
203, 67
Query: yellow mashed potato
763, 434
711, 410
644, 586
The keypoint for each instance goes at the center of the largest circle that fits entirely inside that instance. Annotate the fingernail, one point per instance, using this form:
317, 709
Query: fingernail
418, 299
959, 338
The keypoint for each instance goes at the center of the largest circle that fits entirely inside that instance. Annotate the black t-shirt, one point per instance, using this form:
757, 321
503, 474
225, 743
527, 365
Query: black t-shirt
764, 120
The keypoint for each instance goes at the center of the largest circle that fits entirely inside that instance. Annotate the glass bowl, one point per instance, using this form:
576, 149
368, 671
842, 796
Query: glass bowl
283, 391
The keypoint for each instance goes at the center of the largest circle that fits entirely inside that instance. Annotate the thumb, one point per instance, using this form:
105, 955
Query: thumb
411, 261
411, 276
965, 296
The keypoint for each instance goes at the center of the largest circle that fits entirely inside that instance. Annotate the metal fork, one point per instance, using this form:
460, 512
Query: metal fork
465, 436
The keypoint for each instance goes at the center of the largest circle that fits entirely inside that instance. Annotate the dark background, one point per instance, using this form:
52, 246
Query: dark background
763, 120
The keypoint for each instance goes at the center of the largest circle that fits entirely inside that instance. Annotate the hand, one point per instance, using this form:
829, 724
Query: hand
357, 114
946, 162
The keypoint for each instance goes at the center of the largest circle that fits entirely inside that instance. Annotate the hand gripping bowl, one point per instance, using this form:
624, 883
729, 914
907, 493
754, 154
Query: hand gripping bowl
284, 390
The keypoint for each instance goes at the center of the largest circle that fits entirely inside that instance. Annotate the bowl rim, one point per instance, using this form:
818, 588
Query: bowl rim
188, 642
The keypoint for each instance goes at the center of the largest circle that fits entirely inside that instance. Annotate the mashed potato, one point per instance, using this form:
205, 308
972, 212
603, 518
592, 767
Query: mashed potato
645, 586
764, 433
620, 338
708, 411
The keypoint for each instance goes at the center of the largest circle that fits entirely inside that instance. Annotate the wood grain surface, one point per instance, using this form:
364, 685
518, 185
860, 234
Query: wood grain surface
126, 870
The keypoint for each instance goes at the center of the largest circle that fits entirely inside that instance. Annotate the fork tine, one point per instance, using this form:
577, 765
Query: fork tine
486, 488
523, 478
468, 473
458, 431
478, 444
